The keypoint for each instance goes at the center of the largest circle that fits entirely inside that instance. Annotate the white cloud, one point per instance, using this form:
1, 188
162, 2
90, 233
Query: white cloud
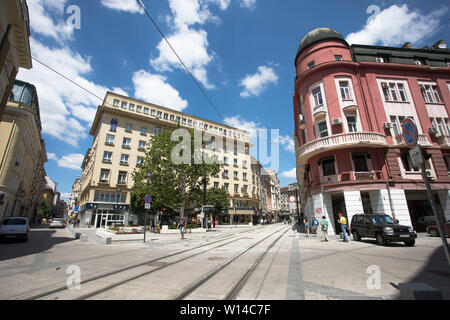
192, 46
255, 84
287, 142
154, 88
395, 26
250, 126
123, 5
251, 4
291, 174
42, 23
72, 161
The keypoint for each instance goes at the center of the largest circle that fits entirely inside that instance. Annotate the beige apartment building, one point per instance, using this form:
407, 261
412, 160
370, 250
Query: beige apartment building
22, 152
122, 128
14, 45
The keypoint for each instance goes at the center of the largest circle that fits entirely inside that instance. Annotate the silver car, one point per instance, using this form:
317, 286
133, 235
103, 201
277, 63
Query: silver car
57, 223
15, 227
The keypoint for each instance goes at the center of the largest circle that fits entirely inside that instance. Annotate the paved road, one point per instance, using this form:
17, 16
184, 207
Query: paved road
296, 268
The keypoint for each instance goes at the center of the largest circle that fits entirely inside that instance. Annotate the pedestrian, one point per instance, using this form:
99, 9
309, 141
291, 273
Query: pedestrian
153, 226
315, 226
182, 226
209, 222
324, 224
343, 222
306, 222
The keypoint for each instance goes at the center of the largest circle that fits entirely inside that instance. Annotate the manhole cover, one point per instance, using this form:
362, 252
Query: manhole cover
158, 264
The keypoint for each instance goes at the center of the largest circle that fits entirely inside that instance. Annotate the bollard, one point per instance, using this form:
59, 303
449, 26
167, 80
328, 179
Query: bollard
84, 238
77, 235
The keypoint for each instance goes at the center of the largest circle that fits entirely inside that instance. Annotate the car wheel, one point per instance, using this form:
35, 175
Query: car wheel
380, 239
434, 233
410, 243
356, 236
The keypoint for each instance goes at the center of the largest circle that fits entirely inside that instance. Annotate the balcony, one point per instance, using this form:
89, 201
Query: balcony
353, 139
444, 141
422, 140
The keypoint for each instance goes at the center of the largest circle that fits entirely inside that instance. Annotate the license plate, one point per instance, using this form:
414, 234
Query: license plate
404, 236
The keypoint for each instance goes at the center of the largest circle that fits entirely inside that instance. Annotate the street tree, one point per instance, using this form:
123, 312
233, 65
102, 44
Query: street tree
219, 199
172, 184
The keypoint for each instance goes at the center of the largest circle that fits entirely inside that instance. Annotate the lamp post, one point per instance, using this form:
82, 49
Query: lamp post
234, 218
118, 190
149, 176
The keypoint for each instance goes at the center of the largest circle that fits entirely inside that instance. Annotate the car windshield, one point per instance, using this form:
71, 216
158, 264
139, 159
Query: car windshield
382, 220
14, 222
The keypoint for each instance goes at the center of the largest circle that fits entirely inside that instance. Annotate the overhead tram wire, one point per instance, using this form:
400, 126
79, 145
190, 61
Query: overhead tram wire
441, 25
184, 65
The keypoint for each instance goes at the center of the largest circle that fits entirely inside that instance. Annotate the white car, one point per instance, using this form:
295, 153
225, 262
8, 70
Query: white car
57, 223
15, 227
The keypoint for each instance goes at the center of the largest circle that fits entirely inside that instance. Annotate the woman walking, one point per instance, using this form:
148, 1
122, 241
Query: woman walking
324, 224
182, 226
306, 222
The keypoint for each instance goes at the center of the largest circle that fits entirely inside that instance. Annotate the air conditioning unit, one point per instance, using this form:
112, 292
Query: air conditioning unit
434, 130
387, 125
300, 118
337, 121
429, 173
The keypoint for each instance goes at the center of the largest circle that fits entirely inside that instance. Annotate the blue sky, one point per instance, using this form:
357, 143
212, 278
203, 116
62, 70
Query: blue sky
241, 52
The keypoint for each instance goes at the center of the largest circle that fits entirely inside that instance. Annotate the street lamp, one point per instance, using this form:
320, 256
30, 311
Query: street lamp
234, 218
118, 190
149, 176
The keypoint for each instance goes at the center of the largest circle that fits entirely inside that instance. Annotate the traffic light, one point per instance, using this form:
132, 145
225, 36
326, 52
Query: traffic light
2, 196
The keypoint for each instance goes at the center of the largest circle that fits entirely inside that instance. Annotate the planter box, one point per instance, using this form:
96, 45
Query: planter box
102, 233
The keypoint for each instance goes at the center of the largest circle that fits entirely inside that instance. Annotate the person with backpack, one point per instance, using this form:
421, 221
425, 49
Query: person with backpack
343, 222
315, 226
324, 224
306, 222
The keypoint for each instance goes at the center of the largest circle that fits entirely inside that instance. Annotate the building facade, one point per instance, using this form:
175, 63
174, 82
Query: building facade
122, 128
14, 45
349, 106
274, 189
22, 152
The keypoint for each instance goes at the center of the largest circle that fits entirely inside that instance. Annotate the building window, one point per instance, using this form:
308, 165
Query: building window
145, 110
142, 144
183, 121
244, 176
236, 175
166, 116
225, 187
216, 185
338, 58
172, 117
159, 115
143, 131
345, 91
153, 112
131, 107
323, 129
317, 94
351, 122
139, 161
430, 93
393, 91
402, 92
128, 128
395, 125
178, 119
328, 168
406, 161
109, 140
380, 59
126, 143
124, 159
190, 122
360, 162
225, 160
236, 188
107, 156
311, 65
122, 177
104, 175
114, 124
244, 163
235, 162
116, 102
124, 105
225, 173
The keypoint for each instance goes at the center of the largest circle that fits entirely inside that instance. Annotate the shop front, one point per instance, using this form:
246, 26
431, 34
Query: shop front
99, 215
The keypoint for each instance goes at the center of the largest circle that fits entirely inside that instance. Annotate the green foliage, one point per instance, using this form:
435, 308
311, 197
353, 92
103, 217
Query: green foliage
172, 185
219, 199
44, 210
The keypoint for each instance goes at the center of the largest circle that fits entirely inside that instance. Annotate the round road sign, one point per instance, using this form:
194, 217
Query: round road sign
292, 199
147, 198
410, 134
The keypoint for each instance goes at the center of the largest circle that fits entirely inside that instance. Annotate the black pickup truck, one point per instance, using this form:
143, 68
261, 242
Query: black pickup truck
381, 227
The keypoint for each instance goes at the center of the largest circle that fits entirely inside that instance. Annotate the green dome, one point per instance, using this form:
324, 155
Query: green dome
316, 35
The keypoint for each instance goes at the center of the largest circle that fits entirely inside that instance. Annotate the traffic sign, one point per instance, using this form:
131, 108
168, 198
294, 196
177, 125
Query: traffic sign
410, 133
292, 199
147, 206
148, 198
416, 155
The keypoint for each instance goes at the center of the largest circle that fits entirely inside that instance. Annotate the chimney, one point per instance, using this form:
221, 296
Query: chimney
407, 45
439, 45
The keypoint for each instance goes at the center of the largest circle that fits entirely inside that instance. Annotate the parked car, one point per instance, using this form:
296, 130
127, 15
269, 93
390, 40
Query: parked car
434, 230
421, 224
381, 227
15, 227
57, 223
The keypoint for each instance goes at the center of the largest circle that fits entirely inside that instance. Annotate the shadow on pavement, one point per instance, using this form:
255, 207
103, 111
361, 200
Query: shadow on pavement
39, 241
375, 243
436, 273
